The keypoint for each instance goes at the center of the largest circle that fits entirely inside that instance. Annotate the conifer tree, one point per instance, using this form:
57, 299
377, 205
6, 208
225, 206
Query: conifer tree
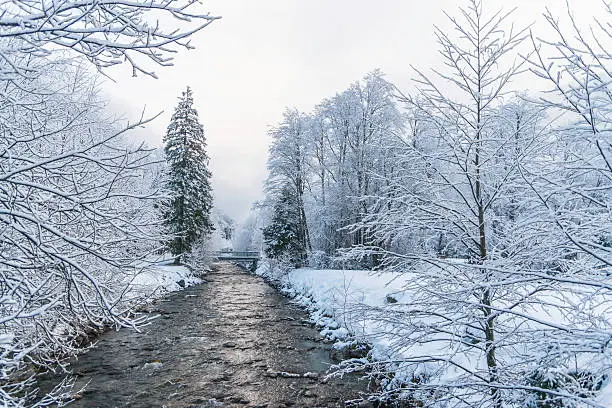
285, 237
187, 213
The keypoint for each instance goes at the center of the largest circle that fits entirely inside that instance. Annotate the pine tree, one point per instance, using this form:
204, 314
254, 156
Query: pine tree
284, 237
187, 213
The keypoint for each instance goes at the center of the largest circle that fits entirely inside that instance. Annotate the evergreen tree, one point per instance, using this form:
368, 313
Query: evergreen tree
187, 213
285, 188
285, 236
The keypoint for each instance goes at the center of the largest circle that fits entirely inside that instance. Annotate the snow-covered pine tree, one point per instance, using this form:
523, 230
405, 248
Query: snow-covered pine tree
286, 187
187, 213
284, 237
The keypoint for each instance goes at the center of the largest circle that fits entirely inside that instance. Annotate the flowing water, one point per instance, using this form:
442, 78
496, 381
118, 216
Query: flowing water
231, 341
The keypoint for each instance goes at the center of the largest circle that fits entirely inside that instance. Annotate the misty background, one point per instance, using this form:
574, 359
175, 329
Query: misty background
264, 55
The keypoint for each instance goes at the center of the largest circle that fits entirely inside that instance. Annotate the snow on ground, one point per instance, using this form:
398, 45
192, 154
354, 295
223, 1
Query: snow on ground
335, 301
347, 305
605, 398
159, 277
164, 278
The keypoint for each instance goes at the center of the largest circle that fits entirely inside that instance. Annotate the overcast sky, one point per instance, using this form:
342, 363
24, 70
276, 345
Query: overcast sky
264, 55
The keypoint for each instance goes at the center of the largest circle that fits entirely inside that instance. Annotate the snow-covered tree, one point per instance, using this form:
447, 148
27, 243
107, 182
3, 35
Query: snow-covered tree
576, 187
76, 197
519, 318
330, 159
495, 204
352, 138
222, 235
284, 236
187, 213
106, 32
226, 226
248, 234
76, 220
286, 185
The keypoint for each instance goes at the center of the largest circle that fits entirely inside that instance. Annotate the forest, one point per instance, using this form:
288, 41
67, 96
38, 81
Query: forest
491, 203
473, 210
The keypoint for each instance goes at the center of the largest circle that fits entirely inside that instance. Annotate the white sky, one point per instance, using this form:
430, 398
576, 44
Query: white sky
264, 55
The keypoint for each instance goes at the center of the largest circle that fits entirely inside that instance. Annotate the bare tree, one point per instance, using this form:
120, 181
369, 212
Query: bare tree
352, 140
499, 325
76, 201
577, 65
474, 59
106, 32
76, 217
286, 185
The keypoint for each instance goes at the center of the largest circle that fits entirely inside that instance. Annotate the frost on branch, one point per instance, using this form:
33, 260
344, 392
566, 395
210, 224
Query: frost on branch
76, 219
106, 32
490, 210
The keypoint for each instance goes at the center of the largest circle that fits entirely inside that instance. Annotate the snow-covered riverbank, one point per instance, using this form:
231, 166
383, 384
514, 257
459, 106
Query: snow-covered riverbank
356, 307
340, 304
161, 277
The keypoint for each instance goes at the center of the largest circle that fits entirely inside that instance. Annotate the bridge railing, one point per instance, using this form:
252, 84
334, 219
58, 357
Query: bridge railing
238, 254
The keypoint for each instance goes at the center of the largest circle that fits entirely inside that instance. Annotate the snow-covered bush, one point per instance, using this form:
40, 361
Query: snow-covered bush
201, 256
318, 260
274, 270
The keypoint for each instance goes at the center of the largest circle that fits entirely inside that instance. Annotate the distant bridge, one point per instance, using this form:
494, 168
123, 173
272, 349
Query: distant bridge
251, 257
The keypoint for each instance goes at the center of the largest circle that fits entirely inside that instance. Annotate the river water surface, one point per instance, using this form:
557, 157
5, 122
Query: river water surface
231, 341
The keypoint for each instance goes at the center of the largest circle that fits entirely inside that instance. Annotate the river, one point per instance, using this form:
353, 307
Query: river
232, 341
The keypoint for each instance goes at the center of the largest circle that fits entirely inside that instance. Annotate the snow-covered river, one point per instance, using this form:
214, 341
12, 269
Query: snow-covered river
231, 341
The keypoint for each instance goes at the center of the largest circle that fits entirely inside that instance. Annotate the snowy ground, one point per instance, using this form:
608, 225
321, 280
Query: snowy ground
161, 277
347, 306
336, 300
